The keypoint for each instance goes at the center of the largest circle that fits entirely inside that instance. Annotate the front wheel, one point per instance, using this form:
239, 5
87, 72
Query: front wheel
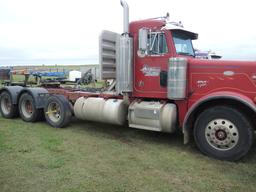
224, 133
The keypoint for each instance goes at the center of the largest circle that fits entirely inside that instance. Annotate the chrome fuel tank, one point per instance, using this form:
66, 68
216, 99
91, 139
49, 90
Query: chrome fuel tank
113, 111
153, 116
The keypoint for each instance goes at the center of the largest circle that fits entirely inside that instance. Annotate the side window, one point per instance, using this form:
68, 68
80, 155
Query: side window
157, 43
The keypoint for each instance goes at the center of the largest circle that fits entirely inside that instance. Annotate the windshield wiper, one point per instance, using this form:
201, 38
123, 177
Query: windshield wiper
184, 53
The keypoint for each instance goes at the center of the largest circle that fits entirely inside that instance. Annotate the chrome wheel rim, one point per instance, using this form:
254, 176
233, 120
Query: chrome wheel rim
27, 108
222, 134
54, 112
6, 105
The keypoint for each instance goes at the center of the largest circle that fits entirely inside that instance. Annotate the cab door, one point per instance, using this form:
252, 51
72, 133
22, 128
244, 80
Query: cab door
150, 71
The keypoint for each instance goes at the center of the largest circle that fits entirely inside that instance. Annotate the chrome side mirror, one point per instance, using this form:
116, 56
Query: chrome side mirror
143, 42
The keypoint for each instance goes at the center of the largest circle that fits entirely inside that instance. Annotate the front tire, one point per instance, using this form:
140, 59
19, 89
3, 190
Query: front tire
224, 133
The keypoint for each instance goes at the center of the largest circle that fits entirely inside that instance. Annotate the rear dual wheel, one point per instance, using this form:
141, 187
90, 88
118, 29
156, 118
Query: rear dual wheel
7, 108
27, 108
58, 111
224, 133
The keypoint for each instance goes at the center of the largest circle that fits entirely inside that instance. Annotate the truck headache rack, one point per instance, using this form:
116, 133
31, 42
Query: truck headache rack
108, 54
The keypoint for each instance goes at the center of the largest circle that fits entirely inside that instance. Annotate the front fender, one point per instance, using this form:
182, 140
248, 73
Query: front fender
246, 101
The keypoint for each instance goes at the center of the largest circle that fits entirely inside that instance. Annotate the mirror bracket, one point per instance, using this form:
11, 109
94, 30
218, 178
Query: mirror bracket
143, 42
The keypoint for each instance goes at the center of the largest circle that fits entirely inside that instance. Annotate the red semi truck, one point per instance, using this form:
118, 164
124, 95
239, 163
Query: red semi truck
157, 85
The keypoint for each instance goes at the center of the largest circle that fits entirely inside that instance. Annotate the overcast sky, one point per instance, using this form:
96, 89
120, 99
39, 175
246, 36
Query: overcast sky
66, 31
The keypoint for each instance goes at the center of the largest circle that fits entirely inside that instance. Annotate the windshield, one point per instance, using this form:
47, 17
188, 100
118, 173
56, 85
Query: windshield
183, 43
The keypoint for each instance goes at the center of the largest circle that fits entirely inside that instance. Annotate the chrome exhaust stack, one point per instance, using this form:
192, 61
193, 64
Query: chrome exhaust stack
116, 56
124, 56
125, 16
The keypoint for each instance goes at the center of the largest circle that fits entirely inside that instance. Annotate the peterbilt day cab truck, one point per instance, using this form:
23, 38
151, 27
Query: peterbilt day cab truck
157, 85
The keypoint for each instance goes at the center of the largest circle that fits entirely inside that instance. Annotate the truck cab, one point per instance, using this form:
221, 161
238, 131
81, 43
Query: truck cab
154, 65
162, 40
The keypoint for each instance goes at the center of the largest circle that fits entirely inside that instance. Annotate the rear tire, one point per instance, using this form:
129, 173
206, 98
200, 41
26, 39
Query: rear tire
57, 111
223, 133
27, 108
7, 108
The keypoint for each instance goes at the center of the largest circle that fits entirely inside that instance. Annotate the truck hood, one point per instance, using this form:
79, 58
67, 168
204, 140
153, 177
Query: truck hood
209, 65
206, 76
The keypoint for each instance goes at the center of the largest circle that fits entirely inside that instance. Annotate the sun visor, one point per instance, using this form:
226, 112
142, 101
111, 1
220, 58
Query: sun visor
179, 27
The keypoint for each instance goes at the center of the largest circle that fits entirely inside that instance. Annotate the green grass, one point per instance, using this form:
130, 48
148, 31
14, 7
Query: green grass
95, 157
